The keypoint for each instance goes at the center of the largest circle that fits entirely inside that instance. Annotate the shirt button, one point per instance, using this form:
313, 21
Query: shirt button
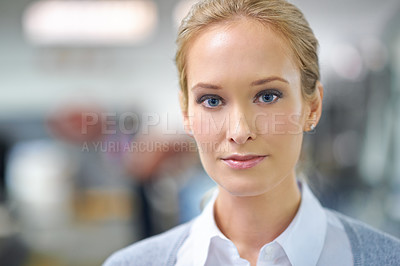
269, 253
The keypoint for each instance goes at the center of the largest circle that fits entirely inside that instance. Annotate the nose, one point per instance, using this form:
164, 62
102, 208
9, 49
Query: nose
240, 128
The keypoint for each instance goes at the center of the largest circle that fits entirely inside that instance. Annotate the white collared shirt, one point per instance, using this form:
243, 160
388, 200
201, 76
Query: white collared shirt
314, 237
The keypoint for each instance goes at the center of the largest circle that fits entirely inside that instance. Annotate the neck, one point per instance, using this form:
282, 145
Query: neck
251, 222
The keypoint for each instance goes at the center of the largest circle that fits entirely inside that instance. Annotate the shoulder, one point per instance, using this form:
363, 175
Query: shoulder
370, 246
156, 250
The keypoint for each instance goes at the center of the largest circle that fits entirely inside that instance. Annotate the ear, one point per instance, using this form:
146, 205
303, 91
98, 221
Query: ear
315, 108
187, 126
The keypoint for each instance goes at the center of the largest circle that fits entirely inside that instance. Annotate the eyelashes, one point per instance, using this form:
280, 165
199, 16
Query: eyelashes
268, 96
210, 100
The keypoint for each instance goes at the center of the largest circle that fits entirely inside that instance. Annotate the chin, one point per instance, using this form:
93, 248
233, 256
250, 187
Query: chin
241, 183
244, 185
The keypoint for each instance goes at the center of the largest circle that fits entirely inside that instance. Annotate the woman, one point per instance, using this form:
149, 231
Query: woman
250, 87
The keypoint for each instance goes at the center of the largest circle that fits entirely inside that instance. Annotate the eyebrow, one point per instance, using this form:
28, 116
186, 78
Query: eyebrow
254, 83
267, 80
205, 86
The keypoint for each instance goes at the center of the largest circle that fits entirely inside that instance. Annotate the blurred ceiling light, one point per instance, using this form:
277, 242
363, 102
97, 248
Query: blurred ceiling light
89, 22
347, 62
181, 10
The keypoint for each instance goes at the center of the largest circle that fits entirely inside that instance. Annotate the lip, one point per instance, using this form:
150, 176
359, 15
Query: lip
237, 161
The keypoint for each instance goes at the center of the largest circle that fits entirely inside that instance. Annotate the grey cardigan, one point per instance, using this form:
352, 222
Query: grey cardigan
369, 246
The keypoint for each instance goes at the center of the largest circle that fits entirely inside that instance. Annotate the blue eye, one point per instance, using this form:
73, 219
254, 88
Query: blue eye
268, 96
213, 102
210, 101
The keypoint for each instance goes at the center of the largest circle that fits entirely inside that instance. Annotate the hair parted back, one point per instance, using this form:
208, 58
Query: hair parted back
282, 16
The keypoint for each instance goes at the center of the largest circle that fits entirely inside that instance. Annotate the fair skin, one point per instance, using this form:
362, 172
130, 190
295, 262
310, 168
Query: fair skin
247, 115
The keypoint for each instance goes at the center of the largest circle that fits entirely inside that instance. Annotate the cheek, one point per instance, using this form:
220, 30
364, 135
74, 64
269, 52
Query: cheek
207, 126
289, 124
279, 123
283, 131
286, 138
209, 132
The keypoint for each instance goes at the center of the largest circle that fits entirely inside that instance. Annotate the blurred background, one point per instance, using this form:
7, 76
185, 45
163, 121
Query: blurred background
92, 153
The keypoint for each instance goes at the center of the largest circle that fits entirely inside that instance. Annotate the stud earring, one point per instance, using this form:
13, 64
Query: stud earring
312, 127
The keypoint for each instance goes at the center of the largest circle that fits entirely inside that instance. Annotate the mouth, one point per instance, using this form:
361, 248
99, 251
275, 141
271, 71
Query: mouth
243, 161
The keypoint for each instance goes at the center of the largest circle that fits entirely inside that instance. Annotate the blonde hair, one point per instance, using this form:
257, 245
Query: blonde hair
283, 17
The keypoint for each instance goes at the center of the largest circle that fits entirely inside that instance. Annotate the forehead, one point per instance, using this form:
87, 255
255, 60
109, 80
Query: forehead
239, 48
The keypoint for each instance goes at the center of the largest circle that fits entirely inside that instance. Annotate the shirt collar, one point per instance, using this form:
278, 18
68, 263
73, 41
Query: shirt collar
204, 229
305, 239
302, 240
